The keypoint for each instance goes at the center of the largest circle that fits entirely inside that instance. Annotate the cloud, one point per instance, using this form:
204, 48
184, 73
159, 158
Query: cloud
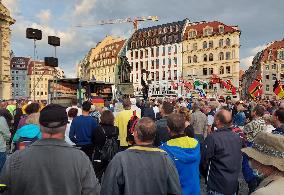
84, 7
246, 62
44, 15
12, 5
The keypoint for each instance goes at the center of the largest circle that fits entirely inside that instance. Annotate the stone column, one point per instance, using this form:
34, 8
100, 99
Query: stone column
5, 34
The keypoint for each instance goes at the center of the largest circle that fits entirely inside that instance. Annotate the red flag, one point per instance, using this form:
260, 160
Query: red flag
231, 87
255, 89
188, 85
215, 79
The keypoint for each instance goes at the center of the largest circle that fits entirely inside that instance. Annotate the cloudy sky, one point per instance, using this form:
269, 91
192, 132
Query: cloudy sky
260, 21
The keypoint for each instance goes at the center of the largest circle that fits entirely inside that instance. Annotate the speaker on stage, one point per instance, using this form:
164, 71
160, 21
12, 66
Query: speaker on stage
54, 41
33, 34
51, 61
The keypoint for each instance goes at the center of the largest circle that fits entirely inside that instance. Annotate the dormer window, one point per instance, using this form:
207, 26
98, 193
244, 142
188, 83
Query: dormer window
221, 29
192, 34
207, 31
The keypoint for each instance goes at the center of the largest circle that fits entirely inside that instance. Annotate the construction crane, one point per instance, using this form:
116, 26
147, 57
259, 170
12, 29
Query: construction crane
134, 21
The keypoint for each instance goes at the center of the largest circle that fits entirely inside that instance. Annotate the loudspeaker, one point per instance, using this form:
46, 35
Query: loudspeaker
33, 34
54, 41
51, 61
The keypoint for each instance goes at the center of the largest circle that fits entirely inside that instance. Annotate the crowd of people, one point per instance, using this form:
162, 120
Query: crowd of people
131, 146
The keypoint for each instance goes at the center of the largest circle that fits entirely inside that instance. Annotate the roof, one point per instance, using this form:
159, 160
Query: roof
20, 63
270, 52
168, 33
199, 26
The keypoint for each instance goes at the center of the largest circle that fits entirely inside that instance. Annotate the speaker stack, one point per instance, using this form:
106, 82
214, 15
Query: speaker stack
33, 34
51, 61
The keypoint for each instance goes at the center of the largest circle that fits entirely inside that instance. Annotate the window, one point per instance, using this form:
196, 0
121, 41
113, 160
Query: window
175, 60
267, 76
169, 77
210, 44
222, 70
192, 34
164, 51
147, 65
273, 66
164, 75
175, 49
141, 66
228, 70
175, 74
170, 62
204, 45
210, 71
228, 42
267, 87
221, 56
189, 59
204, 71
12, 78
169, 50
221, 43
281, 76
141, 54
152, 52
194, 58
282, 66
164, 61
221, 29
17, 85
211, 57
267, 67
157, 63
136, 66
146, 53
157, 51
152, 64
207, 31
194, 46
157, 76
281, 55
228, 55
205, 58
274, 76
136, 54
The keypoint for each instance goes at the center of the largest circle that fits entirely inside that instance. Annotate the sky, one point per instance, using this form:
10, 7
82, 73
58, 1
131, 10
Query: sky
260, 22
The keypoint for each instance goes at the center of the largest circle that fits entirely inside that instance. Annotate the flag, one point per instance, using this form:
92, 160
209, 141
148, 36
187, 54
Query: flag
201, 92
278, 89
231, 87
197, 83
174, 85
188, 85
215, 79
255, 89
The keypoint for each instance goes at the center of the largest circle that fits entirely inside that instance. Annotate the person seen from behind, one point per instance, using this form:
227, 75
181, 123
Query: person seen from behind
141, 169
185, 153
5, 122
185, 112
72, 113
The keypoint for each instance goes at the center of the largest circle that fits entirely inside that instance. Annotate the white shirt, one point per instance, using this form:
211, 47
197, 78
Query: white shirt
79, 110
67, 139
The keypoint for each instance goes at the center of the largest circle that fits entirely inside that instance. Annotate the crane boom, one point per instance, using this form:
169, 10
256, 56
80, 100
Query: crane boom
120, 21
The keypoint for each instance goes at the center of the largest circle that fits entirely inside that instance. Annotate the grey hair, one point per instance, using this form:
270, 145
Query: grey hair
53, 130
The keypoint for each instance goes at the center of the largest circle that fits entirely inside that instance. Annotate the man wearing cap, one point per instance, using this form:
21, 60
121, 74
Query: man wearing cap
266, 158
50, 165
278, 121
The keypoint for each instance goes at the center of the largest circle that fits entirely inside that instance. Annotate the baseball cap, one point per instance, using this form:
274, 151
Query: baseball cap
53, 116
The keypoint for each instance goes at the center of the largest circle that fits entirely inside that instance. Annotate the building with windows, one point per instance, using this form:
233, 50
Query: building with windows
211, 48
59, 73
38, 76
269, 63
19, 68
104, 59
5, 33
155, 53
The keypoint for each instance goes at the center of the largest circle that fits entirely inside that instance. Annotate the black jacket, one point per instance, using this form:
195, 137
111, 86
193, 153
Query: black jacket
149, 112
162, 134
221, 158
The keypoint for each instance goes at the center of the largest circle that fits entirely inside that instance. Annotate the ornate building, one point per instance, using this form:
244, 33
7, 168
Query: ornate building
211, 48
155, 53
104, 59
270, 64
5, 33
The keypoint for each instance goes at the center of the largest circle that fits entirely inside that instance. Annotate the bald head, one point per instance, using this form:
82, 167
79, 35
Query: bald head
223, 118
146, 130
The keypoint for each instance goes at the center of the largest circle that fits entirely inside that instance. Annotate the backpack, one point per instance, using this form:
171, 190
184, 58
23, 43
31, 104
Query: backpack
130, 128
110, 148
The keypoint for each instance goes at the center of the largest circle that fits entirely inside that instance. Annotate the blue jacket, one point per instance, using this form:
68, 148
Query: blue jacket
239, 119
27, 131
81, 130
185, 152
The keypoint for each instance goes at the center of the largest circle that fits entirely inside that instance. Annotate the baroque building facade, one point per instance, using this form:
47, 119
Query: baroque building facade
155, 54
269, 63
5, 33
211, 48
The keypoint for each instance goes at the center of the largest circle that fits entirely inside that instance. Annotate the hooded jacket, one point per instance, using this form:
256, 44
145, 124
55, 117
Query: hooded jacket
185, 152
27, 131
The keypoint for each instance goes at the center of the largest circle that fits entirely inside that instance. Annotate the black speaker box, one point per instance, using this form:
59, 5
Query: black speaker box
51, 61
54, 41
33, 34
